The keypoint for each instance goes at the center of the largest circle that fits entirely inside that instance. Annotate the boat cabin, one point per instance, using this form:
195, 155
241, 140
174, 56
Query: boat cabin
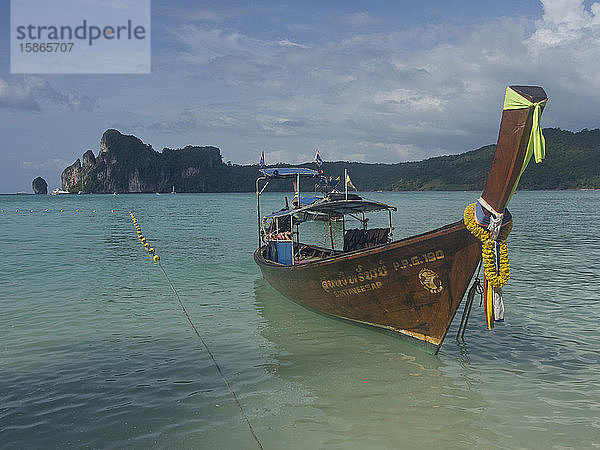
279, 232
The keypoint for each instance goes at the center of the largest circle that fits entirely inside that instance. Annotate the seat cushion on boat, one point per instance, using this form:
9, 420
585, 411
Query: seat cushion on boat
357, 239
354, 239
377, 236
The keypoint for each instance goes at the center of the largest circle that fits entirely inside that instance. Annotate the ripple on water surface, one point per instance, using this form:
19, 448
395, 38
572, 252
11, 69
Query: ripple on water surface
97, 353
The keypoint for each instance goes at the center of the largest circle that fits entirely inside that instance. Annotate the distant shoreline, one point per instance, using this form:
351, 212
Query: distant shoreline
252, 192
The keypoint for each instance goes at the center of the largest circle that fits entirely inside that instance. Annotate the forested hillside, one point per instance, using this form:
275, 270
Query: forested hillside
126, 164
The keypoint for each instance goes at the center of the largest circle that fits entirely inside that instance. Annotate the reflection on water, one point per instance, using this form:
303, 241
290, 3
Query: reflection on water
364, 389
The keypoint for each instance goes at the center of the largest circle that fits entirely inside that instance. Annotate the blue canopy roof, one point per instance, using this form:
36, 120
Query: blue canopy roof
289, 172
308, 199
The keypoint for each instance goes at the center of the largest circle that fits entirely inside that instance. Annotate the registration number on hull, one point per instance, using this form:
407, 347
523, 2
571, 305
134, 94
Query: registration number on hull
417, 260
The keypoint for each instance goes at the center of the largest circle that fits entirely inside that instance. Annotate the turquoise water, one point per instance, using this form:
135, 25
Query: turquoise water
96, 352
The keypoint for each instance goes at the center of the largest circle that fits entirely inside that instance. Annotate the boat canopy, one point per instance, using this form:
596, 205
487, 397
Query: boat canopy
342, 207
289, 172
336, 208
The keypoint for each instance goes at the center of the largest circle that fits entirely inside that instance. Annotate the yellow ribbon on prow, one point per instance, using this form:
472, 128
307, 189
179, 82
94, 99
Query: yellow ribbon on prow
537, 143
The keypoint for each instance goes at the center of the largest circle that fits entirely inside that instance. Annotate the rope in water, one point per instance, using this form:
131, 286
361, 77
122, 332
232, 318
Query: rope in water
231, 391
212, 357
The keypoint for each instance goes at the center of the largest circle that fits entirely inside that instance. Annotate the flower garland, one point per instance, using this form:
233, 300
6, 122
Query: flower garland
497, 277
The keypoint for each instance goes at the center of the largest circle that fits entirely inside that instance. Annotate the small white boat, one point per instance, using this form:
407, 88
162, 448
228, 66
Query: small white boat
59, 191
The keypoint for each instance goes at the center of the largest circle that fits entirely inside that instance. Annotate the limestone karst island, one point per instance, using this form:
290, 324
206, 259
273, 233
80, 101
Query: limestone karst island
126, 164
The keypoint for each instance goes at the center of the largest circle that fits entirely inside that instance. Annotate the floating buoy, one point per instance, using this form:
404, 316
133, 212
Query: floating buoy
93, 210
76, 210
156, 258
146, 245
143, 240
62, 210
46, 210
112, 210
151, 250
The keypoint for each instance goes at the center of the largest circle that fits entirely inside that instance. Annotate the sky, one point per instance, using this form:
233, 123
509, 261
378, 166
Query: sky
377, 81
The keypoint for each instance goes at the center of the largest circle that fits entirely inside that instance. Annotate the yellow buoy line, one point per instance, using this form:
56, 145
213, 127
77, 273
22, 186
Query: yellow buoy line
142, 239
46, 210
156, 258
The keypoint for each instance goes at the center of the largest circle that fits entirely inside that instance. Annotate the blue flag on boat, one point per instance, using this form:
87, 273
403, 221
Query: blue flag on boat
261, 163
318, 160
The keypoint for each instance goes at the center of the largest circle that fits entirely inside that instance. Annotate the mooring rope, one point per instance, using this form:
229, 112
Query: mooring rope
476, 288
212, 357
214, 360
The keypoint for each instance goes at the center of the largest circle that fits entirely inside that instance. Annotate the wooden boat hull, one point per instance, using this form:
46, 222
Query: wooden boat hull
411, 288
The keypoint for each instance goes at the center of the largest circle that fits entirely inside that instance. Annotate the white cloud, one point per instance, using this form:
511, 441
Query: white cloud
50, 164
29, 93
392, 95
17, 96
288, 43
565, 50
566, 23
409, 98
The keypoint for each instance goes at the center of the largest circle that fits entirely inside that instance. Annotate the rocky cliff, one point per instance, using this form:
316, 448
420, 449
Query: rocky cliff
39, 186
71, 177
126, 164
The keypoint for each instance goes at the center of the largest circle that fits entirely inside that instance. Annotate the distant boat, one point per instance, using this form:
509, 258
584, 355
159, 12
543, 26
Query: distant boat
59, 191
410, 287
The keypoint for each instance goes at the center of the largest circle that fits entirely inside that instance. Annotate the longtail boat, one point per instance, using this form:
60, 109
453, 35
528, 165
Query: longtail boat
411, 287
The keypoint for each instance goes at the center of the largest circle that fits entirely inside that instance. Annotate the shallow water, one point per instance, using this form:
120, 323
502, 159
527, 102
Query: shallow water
96, 351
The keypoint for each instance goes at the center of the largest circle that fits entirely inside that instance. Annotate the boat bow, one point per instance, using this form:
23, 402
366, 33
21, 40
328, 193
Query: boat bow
414, 286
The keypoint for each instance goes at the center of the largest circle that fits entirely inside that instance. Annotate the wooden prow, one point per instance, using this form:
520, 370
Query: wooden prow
515, 129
